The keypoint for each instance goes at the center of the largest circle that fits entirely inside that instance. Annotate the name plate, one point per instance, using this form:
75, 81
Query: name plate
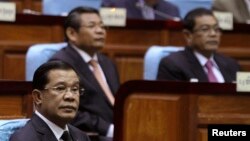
225, 20
113, 16
7, 11
243, 82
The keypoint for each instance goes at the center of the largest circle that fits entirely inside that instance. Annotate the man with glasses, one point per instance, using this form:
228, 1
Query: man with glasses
86, 34
199, 61
56, 94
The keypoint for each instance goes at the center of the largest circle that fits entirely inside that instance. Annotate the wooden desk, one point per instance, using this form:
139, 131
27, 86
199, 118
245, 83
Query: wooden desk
15, 99
176, 111
125, 45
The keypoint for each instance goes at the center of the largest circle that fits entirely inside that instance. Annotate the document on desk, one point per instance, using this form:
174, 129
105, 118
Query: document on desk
8, 11
243, 82
114, 16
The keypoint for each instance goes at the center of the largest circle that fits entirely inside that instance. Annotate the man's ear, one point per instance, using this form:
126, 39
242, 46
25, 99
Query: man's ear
188, 36
71, 34
37, 97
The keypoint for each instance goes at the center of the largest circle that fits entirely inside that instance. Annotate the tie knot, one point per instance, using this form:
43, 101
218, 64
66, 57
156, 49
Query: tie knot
93, 63
65, 136
209, 64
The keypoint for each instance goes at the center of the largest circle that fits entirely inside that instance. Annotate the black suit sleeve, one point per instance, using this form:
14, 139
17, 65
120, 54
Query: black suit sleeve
90, 122
168, 70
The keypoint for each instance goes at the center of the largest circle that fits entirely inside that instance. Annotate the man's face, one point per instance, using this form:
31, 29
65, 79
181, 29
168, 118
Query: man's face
91, 34
57, 105
206, 34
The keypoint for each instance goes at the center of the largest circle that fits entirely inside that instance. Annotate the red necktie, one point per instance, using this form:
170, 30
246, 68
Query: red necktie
98, 74
210, 73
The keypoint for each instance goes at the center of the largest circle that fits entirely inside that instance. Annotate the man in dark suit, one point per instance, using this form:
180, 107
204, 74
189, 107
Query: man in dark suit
146, 9
86, 36
199, 61
56, 92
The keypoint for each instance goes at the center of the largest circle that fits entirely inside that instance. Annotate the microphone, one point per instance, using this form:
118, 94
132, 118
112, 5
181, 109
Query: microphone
159, 13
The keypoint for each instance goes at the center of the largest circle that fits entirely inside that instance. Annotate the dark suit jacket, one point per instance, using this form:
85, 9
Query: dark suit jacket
37, 130
183, 66
95, 110
134, 12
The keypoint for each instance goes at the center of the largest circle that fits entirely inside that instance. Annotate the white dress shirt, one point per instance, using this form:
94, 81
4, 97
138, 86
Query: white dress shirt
57, 131
203, 60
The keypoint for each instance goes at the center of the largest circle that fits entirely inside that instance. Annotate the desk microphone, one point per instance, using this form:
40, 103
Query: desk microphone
159, 13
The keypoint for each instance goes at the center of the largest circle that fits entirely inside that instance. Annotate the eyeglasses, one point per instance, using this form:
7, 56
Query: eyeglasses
208, 29
94, 26
63, 89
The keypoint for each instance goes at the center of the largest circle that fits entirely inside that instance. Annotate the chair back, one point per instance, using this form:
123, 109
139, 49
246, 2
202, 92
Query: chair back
8, 127
153, 57
38, 54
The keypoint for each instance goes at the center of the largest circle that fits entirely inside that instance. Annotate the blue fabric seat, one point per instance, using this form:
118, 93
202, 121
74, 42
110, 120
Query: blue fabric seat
8, 127
153, 57
38, 54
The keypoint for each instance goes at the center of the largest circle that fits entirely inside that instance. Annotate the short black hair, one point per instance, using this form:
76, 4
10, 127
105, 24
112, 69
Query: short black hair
40, 78
189, 19
73, 18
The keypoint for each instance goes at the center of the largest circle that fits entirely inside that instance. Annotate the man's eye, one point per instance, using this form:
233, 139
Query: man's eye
91, 26
204, 29
61, 88
75, 89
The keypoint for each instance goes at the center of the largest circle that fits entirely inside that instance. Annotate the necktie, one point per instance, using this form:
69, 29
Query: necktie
98, 74
65, 136
210, 74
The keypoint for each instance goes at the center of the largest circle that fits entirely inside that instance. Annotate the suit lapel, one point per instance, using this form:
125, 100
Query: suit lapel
42, 129
195, 66
87, 75
222, 66
83, 68
106, 71
73, 134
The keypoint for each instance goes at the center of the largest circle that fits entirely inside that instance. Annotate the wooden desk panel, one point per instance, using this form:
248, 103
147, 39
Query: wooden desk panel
176, 111
15, 99
144, 110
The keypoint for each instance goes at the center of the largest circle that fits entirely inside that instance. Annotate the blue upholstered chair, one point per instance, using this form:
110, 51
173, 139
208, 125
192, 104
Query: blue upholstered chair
8, 127
153, 57
38, 54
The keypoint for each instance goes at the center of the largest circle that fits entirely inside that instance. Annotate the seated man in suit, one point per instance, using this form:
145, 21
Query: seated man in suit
56, 94
199, 61
86, 36
146, 9
239, 8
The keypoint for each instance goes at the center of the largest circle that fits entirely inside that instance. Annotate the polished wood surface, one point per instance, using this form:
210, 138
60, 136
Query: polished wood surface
15, 99
126, 46
176, 111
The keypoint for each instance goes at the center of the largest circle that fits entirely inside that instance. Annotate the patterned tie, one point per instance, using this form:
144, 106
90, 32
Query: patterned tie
65, 136
98, 74
210, 74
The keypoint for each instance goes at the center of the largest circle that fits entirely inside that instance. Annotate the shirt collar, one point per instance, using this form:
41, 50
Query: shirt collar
85, 56
57, 131
203, 60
